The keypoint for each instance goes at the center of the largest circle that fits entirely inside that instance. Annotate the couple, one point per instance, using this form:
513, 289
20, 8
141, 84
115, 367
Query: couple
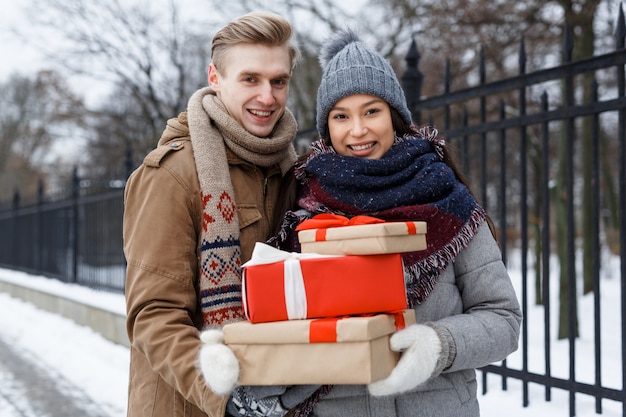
225, 175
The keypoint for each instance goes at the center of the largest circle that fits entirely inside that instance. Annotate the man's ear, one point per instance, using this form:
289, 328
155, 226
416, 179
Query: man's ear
213, 78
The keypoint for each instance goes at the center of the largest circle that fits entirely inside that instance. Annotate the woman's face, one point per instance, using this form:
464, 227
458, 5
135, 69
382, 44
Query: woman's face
360, 125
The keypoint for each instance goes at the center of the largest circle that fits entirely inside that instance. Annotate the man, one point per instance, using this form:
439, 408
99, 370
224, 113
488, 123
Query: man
193, 212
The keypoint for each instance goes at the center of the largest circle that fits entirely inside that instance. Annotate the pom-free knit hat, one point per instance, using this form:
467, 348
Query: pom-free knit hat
350, 67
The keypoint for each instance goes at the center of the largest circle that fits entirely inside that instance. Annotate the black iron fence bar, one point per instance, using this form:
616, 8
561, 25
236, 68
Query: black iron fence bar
560, 383
102, 196
483, 135
523, 221
24, 211
75, 231
503, 187
545, 245
595, 236
57, 205
502, 203
609, 60
561, 113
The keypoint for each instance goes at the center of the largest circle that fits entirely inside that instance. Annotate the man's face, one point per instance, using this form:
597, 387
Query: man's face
253, 85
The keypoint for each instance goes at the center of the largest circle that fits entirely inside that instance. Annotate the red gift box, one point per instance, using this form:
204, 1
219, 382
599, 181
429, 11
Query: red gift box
303, 286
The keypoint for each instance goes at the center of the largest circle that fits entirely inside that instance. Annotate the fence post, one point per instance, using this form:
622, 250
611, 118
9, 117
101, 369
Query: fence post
75, 223
412, 81
39, 227
12, 248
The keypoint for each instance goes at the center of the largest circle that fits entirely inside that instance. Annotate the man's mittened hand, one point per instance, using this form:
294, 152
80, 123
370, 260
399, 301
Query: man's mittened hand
217, 362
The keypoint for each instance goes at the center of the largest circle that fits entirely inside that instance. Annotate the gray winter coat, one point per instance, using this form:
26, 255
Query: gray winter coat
475, 307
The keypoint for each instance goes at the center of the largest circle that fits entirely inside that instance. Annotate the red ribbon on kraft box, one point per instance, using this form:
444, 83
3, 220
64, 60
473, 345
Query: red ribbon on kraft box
325, 221
325, 330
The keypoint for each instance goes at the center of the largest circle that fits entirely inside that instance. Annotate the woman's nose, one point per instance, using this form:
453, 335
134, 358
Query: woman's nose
358, 129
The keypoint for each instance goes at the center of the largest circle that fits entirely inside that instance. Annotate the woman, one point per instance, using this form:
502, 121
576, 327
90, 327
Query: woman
373, 161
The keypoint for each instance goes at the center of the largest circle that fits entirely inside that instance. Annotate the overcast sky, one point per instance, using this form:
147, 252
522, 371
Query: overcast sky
16, 54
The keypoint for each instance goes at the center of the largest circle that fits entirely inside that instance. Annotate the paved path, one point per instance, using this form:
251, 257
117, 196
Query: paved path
28, 389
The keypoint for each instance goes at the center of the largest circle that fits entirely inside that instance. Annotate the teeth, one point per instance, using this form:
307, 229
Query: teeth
361, 147
260, 113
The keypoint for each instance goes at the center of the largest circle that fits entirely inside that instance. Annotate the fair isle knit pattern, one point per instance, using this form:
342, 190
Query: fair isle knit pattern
212, 129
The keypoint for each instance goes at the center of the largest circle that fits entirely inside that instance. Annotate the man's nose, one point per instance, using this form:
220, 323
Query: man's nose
266, 94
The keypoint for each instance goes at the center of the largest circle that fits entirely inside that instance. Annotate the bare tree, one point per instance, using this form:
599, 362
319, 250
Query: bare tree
34, 112
142, 51
153, 60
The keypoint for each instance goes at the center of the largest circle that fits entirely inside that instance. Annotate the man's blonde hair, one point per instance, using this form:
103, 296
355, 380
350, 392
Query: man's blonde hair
263, 28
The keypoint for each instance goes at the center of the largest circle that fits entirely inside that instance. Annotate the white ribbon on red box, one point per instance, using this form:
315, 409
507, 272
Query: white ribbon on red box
295, 292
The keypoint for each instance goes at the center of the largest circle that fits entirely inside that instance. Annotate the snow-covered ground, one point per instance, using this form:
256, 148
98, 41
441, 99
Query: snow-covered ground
100, 368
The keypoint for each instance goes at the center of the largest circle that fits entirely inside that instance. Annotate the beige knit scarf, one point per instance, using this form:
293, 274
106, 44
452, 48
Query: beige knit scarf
212, 129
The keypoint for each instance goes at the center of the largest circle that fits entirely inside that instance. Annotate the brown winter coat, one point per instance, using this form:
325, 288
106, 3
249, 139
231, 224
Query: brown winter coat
162, 229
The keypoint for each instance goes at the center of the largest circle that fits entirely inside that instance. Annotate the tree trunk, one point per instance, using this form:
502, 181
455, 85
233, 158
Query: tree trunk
583, 48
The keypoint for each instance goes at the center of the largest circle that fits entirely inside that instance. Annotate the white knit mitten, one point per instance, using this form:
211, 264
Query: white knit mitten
420, 346
217, 362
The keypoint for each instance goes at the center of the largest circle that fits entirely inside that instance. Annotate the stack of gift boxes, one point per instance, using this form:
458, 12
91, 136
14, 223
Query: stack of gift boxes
324, 316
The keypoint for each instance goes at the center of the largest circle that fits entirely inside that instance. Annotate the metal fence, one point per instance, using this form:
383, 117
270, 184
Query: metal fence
75, 236
508, 158
514, 138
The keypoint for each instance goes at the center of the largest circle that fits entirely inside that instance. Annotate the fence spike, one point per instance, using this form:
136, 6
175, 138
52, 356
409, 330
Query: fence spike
412, 79
412, 57
522, 55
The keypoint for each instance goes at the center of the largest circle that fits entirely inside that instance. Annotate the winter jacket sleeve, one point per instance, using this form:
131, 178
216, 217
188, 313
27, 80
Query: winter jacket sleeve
160, 241
488, 329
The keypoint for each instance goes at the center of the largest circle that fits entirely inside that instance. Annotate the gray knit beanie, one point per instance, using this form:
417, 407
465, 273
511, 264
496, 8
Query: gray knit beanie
350, 67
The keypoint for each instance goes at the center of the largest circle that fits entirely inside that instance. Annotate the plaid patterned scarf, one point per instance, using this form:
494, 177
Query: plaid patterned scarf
212, 129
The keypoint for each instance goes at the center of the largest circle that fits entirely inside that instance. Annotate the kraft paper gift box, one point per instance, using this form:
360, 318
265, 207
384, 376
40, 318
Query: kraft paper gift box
352, 350
339, 236
279, 285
